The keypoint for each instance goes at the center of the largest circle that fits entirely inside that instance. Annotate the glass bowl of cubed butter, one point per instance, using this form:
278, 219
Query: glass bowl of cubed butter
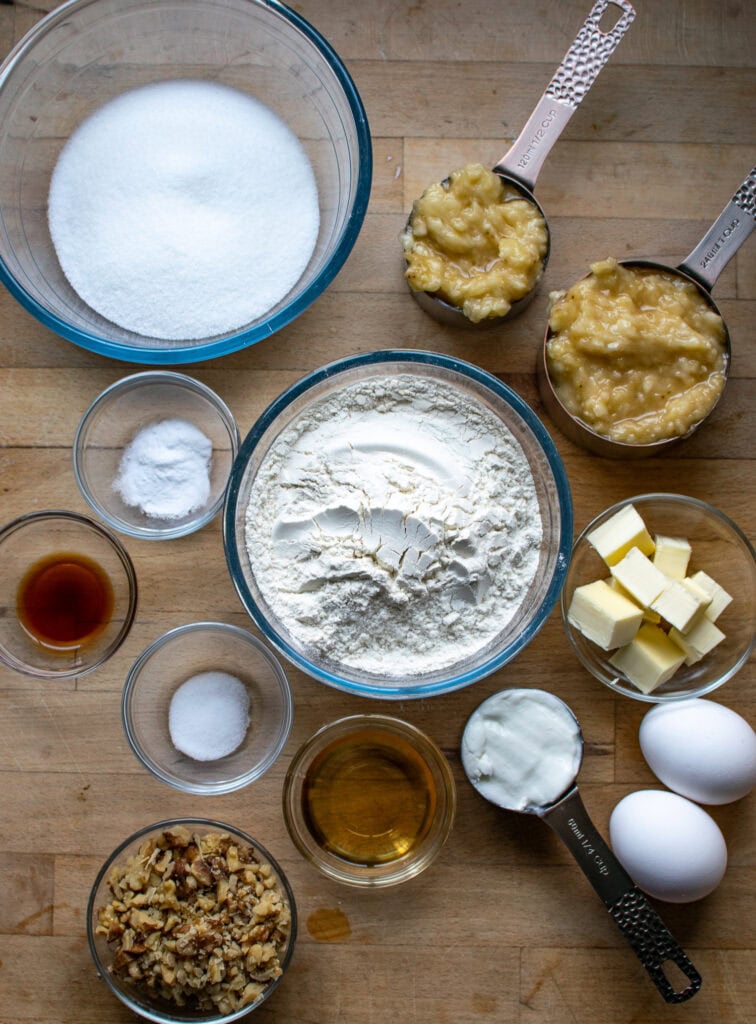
659, 602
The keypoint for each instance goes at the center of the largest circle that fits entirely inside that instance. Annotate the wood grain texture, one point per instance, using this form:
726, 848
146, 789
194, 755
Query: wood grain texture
503, 927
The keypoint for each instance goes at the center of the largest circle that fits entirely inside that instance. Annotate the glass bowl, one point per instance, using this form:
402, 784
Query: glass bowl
85, 53
117, 415
720, 549
179, 655
369, 800
474, 386
151, 1006
51, 562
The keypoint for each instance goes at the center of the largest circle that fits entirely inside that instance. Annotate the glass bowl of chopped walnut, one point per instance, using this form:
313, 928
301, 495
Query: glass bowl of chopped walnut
191, 920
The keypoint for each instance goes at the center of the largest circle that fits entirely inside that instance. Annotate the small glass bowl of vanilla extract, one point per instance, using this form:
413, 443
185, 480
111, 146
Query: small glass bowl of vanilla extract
369, 800
68, 593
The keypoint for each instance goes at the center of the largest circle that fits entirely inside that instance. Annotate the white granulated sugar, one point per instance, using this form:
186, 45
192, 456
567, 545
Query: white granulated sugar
183, 209
394, 526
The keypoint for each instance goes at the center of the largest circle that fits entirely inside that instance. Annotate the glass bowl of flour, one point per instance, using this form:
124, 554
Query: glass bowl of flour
153, 453
180, 180
398, 524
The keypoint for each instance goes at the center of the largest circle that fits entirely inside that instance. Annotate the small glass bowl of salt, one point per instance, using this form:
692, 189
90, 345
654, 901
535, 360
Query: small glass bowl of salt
153, 453
207, 708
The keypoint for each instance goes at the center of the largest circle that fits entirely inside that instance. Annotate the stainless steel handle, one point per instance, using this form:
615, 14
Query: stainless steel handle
654, 944
590, 51
649, 937
725, 236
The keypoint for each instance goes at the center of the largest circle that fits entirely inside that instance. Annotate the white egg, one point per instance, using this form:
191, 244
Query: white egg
669, 846
700, 749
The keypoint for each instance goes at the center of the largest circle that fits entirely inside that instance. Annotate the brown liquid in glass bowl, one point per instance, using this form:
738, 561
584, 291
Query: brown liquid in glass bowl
64, 599
369, 797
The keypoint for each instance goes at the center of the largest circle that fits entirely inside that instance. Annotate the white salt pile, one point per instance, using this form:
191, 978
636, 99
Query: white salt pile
183, 209
208, 716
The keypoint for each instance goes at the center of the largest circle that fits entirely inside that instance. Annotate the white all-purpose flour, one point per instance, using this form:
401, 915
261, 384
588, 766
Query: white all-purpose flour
394, 526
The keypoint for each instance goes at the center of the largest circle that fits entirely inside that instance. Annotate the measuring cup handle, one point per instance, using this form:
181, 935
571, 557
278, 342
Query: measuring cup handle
590, 51
725, 236
651, 940
654, 944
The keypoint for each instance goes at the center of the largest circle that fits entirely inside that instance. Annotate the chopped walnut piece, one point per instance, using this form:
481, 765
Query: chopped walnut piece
201, 871
196, 920
234, 864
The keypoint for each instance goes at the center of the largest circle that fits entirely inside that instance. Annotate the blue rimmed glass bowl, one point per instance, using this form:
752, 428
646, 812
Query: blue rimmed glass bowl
88, 51
552, 491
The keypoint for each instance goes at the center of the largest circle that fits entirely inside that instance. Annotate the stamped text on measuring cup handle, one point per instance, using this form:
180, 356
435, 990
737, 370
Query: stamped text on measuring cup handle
538, 136
588, 848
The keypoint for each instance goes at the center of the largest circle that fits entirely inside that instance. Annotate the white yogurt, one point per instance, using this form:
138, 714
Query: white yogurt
522, 748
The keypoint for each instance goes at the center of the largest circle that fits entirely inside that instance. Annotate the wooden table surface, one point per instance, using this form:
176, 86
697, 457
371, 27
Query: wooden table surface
503, 927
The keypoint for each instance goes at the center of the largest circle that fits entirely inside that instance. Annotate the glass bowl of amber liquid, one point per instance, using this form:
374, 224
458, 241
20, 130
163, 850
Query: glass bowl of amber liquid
369, 800
68, 593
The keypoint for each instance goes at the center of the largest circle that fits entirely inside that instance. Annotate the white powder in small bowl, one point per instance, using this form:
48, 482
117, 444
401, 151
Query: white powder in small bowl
165, 470
208, 716
183, 210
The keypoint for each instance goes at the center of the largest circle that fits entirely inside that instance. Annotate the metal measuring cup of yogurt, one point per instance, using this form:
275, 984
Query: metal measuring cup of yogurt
522, 750
518, 169
700, 269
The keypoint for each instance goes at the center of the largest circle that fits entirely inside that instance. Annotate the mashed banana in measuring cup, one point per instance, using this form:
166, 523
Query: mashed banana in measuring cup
475, 242
637, 354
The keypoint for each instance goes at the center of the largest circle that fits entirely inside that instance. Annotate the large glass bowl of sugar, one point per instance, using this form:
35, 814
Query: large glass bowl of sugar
88, 52
398, 524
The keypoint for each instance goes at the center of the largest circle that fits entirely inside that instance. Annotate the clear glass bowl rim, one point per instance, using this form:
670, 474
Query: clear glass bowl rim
131, 383
207, 789
200, 351
564, 500
211, 825
128, 566
619, 687
394, 873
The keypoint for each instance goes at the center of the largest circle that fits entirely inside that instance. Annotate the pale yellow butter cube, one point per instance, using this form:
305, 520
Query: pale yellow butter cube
698, 593
719, 596
603, 615
624, 530
640, 578
681, 604
698, 641
672, 555
648, 615
650, 659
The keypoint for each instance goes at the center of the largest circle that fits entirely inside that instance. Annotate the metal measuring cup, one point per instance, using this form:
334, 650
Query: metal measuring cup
649, 937
701, 268
521, 164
